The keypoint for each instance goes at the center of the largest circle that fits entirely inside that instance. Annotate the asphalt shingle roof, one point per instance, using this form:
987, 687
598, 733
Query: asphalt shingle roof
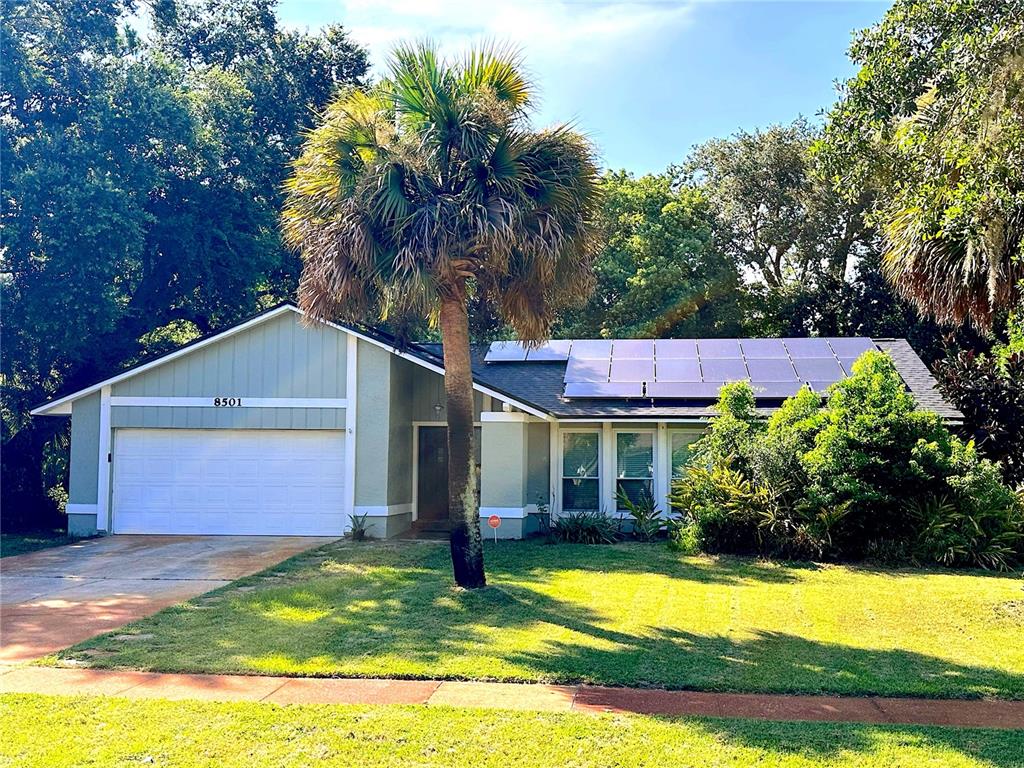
540, 384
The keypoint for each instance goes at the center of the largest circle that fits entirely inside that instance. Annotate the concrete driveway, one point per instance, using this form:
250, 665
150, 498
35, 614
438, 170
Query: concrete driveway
58, 597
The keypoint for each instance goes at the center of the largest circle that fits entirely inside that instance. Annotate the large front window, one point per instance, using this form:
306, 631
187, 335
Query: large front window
634, 456
581, 474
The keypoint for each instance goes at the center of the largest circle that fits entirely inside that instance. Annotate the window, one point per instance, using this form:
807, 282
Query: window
634, 456
680, 446
581, 475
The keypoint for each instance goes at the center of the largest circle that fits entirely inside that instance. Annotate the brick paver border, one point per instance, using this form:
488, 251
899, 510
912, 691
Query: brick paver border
987, 713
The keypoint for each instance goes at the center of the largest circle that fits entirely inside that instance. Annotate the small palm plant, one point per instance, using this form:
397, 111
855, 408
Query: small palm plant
427, 190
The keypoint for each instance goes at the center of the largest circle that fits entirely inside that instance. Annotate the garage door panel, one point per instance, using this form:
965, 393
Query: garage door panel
280, 482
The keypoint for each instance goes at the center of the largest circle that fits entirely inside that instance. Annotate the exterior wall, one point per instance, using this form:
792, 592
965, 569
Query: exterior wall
538, 478
279, 358
84, 465
383, 489
400, 458
515, 472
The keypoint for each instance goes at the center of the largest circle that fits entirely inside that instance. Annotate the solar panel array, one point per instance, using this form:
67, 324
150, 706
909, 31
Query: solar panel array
692, 368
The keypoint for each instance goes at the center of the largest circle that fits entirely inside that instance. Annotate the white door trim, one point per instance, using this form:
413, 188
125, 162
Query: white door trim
103, 521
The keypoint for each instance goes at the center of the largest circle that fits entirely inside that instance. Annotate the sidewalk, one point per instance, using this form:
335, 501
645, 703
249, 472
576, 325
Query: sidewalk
536, 697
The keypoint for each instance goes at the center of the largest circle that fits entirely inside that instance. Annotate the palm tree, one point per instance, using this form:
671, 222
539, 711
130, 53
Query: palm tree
427, 189
954, 227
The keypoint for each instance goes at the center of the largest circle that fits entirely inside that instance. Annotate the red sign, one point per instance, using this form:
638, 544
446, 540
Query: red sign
494, 521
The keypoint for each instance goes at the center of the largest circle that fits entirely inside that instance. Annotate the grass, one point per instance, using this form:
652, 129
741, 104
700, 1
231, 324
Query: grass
637, 615
115, 732
20, 543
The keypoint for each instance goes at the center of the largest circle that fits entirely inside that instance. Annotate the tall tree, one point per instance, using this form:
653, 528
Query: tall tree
659, 273
431, 186
779, 223
141, 188
932, 127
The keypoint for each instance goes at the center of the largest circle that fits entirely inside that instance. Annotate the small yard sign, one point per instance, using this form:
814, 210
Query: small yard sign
494, 521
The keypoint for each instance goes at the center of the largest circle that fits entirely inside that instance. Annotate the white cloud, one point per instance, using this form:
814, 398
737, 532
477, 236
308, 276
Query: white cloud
588, 31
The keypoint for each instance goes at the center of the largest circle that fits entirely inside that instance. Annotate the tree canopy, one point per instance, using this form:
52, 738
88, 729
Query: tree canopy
932, 130
142, 184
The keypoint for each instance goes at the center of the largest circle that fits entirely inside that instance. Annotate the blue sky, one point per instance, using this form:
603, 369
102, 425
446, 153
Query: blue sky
647, 79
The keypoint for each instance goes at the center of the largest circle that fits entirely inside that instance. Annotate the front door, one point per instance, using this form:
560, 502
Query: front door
432, 484
432, 472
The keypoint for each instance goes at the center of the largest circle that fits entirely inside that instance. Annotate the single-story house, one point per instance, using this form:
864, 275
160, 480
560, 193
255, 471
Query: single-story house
276, 427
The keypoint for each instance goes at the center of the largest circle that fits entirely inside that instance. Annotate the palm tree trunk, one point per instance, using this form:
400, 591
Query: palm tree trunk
467, 550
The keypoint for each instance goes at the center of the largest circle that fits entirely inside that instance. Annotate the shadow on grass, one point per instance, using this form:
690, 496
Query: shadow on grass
391, 611
826, 741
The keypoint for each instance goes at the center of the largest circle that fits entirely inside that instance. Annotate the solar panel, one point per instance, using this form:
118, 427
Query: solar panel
586, 370
685, 390
851, 347
776, 389
718, 348
808, 348
723, 369
632, 348
694, 369
763, 348
771, 370
675, 348
589, 349
604, 389
505, 352
628, 369
677, 370
819, 369
848, 364
555, 350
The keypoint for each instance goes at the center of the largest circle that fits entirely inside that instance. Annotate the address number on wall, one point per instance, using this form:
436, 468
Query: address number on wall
227, 402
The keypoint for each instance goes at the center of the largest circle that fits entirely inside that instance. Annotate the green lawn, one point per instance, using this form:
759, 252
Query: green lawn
116, 732
623, 615
20, 543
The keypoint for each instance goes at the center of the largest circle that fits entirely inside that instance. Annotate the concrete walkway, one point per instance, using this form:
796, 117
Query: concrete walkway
533, 697
57, 597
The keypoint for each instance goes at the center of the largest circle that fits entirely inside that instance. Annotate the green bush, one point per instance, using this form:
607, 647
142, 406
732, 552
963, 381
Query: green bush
864, 474
644, 516
585, 528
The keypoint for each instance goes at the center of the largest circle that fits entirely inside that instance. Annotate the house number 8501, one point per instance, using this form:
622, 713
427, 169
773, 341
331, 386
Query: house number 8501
227, 402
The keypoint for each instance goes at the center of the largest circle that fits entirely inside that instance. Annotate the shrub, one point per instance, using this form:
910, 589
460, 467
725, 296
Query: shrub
865, 474
585, 528
721, 508
644, 516
989, 390
357, 527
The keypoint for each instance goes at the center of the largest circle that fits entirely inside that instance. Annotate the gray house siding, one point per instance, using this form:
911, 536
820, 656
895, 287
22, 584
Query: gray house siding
84, 465
277, 358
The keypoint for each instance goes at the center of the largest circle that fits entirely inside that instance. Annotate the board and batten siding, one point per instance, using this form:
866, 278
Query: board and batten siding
83, 483
279, 358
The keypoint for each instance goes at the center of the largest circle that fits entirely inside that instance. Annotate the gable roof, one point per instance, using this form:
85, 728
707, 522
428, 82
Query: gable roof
60, 404
533, 387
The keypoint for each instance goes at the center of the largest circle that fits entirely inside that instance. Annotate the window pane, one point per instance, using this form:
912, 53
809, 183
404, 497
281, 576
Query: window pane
580, 495
681, 442
635, 490
579, 454
635, 454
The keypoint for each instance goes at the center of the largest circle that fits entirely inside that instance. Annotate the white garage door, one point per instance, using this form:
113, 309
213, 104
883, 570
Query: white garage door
287, 482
